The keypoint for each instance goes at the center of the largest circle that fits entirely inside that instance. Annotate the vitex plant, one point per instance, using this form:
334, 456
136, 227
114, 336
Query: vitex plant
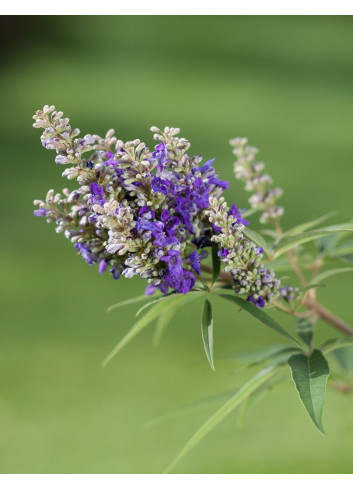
155, 213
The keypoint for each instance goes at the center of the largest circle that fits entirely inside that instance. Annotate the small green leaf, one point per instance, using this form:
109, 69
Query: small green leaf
216, 264
329, 273
345, 248
288, 242
344, 358
307, 225
207, 331
140, 298
154, 301
335, 344
259, 314
224, 410
154, 312
310, 376
163, 321
304, 330
257, 239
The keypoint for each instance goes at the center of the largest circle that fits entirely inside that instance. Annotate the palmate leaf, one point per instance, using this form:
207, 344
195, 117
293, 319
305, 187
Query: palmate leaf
242, 394
344, 357
259, 314
154, 301
207, 331
166, 316
288, 242
310, 376
336, 344
307, 225
163, 321
139, 298
329, 273
150, 315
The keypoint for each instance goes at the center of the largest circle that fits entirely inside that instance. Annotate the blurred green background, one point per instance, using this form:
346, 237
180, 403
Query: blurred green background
284, 82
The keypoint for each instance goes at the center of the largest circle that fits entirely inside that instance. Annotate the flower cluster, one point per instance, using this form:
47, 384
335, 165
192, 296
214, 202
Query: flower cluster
241, 257
148, 213
252, 173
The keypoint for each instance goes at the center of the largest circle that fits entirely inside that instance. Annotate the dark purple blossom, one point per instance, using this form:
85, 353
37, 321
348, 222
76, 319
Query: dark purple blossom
259, 302
235, 212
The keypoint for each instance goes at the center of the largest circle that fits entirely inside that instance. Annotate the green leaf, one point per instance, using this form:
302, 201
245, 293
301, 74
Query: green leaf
224, 410
307, 225
260, 315
163, 321
216, 264
207, 331
155, 311
288, 242
344, 358
257, 239
304, 330
154, 301
329, 273
335, 344
140, 298
310, 376
166, 316
346, 248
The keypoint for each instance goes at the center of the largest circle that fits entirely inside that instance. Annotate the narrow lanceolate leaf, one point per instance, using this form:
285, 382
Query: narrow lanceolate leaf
154, 312
257, 239
310, 377
216, 264
158, 299
259, 314
140, 298
163, 321
288, 242
329, 273
304, 330
344, 358
242, 394
207, 331
307, 225
336, 344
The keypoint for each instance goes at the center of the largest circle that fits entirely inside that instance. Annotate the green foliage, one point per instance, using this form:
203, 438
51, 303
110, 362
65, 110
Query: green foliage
152, 314
304, 330
329, 273
207, 331
310, 374
336, 344
307, 225
139, 298
286, 243
259, 314
241, 395
344, 357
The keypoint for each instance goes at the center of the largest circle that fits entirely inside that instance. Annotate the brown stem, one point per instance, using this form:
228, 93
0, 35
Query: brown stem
328, 317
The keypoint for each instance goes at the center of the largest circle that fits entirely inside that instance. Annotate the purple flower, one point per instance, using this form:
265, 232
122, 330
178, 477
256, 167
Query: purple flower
259, 302
200, 193
207, 165
194, 260
97, 194
160, 153
235, 212
102, 266
160, 185
170, 222
40, 212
